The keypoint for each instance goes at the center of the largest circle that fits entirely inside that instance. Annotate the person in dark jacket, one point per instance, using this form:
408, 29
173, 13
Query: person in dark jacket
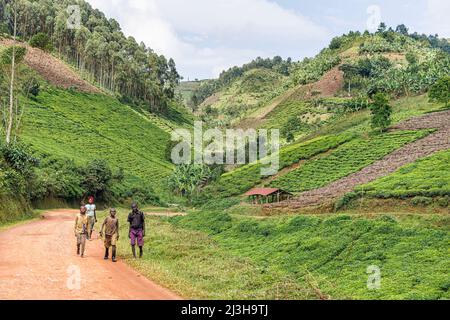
136, 220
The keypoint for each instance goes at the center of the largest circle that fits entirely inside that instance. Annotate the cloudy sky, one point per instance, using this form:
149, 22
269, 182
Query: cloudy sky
207, 36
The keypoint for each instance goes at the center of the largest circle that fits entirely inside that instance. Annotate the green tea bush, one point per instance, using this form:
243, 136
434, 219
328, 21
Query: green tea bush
345, 201
428, 177
346, 159
444, 202
238, 181
381, 112
85, 127
421, 201
337, 251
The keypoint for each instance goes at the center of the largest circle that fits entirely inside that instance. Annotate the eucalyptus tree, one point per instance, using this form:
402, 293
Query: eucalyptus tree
99, 48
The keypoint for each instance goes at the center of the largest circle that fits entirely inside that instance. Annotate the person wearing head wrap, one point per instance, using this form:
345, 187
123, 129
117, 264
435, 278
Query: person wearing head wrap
91, 215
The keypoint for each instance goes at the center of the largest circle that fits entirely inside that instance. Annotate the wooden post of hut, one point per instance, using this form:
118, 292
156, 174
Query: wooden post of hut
267, 195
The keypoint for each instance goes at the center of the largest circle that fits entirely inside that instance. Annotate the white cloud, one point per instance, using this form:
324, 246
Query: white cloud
205, 36
437, 19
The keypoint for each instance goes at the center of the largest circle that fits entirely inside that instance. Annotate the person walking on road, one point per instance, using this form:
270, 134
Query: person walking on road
111, 236
136, 220
81, 225
92, 216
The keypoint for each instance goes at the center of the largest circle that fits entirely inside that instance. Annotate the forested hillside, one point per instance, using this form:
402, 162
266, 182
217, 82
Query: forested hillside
99, 49
298, 97
84, 111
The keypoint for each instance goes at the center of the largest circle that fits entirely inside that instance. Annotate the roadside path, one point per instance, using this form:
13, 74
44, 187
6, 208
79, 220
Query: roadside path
38, 260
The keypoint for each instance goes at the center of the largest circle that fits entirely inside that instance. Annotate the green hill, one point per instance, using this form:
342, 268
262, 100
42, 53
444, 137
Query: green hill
312, 90
100, 124
84, 127
329, 94
186, 90
79, 130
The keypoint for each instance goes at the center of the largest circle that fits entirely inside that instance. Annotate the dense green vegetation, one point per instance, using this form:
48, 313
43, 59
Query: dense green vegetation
84, 127
346, 159
207, 88
440, 91
395, 63
42, 41
429, 177
98, 48
306, 257
251, 90
244, 178
15, 185
381, 112
187, 179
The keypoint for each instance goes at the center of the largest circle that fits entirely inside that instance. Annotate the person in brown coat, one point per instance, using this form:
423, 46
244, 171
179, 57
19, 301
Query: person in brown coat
111, 236
81, 222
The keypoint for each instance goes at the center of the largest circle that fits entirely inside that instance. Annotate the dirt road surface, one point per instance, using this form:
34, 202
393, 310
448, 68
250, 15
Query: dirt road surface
38, 261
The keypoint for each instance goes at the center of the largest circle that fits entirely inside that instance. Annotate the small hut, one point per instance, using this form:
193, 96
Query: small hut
267, 195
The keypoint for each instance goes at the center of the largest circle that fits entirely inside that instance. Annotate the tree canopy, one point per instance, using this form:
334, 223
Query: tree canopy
440, 91
97, 48
381, 112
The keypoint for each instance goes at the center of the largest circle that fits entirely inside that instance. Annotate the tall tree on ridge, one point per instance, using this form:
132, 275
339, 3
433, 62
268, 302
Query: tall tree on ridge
11, 84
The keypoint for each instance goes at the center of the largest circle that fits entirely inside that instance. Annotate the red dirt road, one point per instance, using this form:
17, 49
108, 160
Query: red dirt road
38, 261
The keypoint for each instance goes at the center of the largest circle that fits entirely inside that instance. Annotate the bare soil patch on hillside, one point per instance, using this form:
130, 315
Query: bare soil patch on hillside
328, 86
53, 70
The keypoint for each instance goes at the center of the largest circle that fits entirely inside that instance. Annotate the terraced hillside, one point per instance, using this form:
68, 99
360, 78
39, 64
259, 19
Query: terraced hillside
328, 86
71, 119
84, 127
317, 91
346, 159
245, 94
52, 69
435, 142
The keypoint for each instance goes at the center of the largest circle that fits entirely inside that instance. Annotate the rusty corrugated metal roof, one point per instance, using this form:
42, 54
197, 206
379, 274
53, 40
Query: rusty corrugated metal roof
262, 192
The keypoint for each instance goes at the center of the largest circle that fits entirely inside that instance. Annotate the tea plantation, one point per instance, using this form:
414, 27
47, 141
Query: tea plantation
427, 177
348, 158
84, 127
